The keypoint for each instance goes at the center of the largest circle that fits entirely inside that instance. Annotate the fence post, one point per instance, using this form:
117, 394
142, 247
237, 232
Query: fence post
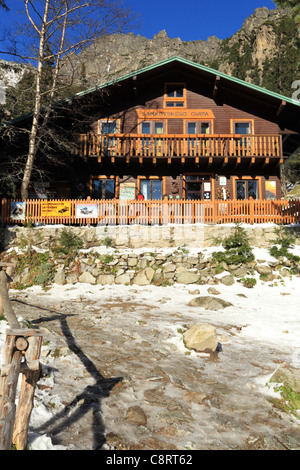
3, 211
251, 210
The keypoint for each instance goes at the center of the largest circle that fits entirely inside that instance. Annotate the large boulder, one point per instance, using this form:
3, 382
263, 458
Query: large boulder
201, 338
288, 376
209, 303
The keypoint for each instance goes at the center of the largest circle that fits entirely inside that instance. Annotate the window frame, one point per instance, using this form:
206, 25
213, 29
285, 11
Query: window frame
152, 123
106, 178
233, 122
198, 123
151, 178
258, 179
108, 121
177, 100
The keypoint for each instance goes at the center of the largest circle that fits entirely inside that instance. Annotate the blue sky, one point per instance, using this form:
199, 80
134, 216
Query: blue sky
188, 19
194, 19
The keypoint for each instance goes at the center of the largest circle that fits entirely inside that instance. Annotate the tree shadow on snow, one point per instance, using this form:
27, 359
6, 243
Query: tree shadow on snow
89, 399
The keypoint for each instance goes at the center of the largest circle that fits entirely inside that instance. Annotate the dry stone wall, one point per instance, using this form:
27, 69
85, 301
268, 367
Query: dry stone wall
122, 264
140, 236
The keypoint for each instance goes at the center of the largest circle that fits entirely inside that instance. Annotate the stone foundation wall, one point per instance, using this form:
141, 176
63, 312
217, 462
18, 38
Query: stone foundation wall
138, 236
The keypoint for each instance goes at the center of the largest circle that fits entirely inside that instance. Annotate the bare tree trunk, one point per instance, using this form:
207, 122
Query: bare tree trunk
37, 107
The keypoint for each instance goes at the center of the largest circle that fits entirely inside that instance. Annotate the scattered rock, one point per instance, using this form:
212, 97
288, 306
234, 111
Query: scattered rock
227, 280
135, 415
263, 269
213, 291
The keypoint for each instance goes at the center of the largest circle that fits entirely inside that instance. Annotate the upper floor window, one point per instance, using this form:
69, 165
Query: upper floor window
175, 95
108, 127
242, 127
152, 127
199, 127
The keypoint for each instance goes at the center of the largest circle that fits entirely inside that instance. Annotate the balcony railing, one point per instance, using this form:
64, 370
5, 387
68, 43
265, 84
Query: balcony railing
161, 145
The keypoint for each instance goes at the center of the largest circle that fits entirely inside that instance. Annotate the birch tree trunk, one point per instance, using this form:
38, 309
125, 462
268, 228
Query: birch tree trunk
37, 106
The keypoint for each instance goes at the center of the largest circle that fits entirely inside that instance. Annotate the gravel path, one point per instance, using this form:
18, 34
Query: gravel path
122, 381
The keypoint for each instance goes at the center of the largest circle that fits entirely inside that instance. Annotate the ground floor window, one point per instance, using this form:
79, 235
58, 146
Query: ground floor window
103, 188
197, 187
246, 189
151, 189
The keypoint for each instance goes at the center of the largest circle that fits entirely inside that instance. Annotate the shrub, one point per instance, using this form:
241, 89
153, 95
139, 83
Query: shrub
237, 248
70, 243
282, 244
249, 282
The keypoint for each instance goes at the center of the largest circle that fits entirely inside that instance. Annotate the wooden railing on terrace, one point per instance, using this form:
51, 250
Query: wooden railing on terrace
118, 212
201, 145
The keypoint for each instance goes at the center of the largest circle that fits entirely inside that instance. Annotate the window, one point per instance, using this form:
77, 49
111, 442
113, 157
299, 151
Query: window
175, 95
242, 128
152, 145
198, 146
152, 127
103, 188
199, 127
108, 144
151, 188
246, 189
242, 145
108, 127
197, 187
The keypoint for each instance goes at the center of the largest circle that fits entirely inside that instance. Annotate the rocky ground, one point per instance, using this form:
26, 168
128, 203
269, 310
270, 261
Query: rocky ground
116, 373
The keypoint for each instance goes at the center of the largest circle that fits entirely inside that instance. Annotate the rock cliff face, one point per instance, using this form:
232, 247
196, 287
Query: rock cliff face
11, 73
244, 55
263, 52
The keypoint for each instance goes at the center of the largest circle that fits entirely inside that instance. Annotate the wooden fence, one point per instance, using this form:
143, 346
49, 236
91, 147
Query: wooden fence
150, 212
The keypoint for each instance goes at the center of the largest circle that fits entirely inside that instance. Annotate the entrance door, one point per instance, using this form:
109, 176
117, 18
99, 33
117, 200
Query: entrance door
197, 187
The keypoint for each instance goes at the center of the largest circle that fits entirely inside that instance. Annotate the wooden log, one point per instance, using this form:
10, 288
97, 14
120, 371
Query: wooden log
30, 377
8, 390
6, 305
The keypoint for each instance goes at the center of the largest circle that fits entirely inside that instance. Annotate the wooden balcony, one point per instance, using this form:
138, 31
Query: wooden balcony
168, 146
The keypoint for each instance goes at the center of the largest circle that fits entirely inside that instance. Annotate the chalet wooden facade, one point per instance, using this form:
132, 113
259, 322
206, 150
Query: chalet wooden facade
178, 130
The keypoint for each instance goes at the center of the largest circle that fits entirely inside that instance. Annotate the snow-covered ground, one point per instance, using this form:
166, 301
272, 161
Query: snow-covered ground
270, 314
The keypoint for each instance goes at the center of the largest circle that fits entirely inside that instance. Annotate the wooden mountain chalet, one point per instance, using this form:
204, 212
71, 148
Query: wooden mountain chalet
179, 131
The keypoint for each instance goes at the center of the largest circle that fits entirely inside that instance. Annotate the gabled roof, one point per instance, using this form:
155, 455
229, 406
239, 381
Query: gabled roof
196, 66
253, 91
